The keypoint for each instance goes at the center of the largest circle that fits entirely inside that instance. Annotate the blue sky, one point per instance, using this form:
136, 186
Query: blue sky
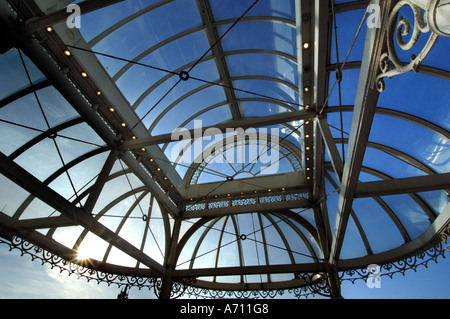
21, 278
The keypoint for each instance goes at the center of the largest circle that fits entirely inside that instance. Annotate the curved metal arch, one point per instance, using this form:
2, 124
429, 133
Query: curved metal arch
179, 100
186, 147
200, 241
285, 215
239, 244
45, 135
153, 200
125, 219
24, 92
284, 142
108, 179
273, 19
187, 66
264, 240
424, 69
396, 154
136, 15
212, 107
195, 165
302, 235
180, 69
355, 218
400, 115
297, 231
219, 245
409, 160
392, 215
161, 44
55, 175
167, 77
121, 23
388, 210
419, 201
282, 236
262, 51
261, 100
266, 78
147, 52
102, 212
206, 86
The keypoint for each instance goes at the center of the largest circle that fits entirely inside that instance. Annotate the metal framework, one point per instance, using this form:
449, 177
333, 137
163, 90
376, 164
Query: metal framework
290, 206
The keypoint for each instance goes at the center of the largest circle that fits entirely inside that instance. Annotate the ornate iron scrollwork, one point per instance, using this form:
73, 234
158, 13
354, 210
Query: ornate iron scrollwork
317, 282
317, 286
422, 259
180, 288
397, 29
63, 265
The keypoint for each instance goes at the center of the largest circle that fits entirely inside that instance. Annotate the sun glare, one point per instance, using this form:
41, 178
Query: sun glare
86, 251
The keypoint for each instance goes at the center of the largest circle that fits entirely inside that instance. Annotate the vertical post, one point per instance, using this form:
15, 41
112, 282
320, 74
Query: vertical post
170, 260
333, 281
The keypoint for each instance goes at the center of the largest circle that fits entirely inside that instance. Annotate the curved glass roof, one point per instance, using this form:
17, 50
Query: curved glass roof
217, 140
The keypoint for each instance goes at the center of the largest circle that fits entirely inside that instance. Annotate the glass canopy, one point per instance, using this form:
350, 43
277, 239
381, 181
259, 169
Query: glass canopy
222, 145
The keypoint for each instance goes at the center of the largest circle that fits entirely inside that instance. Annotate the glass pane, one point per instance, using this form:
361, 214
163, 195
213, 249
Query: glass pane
67, 236
272, 89
410, 214
349, 86
190, 106
133, 228
257, 109
98, 21
389, 164
430, 148
260, 35
214, 116
38, 209
21, 112
263, 65
346, 34
115, 188
11, 196
437, 200
353, 245
374, 219
169, 92
434, 58
228, 9
135, 81
57, 110
13, 76
133, 38
419, 94
41, 160
93, 247
84, 174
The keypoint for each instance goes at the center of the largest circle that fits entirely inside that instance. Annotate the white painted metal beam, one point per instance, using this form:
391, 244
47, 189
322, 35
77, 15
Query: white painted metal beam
363, 114
404, 185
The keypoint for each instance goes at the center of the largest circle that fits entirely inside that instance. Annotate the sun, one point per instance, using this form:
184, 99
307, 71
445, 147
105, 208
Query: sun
85, 252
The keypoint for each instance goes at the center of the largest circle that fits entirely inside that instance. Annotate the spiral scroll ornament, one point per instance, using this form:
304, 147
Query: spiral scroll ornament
398, 28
